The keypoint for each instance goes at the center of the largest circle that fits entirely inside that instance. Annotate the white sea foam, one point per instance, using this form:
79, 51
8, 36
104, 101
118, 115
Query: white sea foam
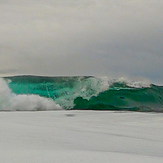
135, 84
106, 82
12, 102
81, 136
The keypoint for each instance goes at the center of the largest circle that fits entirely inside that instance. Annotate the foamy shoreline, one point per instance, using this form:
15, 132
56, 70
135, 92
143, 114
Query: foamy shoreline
81, 136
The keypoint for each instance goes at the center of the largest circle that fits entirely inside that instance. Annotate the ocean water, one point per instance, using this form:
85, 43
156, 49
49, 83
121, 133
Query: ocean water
36, 93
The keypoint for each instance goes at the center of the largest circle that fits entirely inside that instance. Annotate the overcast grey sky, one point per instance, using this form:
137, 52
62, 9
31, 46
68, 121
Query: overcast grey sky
82, 37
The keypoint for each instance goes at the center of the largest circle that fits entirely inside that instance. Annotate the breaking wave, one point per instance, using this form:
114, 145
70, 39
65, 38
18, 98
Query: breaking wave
52, 93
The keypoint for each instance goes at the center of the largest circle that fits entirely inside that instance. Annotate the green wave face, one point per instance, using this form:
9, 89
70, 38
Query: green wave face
89, 93
142, 99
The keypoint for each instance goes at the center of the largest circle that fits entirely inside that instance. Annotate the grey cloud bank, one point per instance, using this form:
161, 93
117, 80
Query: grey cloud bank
93, 37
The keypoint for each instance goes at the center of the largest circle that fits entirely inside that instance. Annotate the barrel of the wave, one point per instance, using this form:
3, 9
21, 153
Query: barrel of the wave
122, 97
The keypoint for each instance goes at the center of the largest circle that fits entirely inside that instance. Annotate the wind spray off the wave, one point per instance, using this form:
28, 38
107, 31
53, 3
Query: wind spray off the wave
51, 93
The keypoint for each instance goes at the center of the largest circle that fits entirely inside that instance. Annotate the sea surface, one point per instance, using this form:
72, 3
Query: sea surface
36, 93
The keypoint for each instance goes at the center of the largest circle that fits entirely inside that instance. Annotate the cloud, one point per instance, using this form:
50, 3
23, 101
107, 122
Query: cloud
4, 71
107, 37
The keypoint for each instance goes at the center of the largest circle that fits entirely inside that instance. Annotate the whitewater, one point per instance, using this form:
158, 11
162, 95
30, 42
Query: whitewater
9, 101
38, 93
75, 136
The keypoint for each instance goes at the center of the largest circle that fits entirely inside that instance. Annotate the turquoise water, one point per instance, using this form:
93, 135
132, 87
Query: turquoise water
90, 92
